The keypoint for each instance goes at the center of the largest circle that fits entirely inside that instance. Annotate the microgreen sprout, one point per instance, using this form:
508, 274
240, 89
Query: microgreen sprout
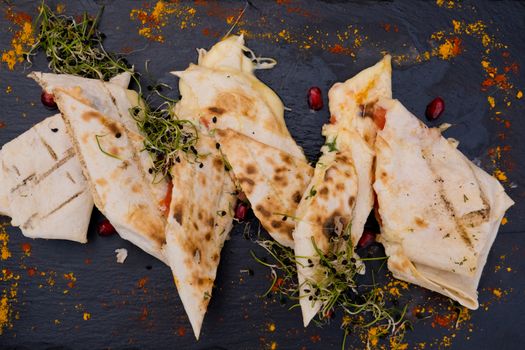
74, 46
166, 136
364, 306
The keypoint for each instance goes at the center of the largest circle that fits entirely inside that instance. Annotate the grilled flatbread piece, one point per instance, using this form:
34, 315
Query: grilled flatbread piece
273, 180
110, 149
439, 212
199, 221
4, 190
45, 192
221, 92
351, 104
339, 198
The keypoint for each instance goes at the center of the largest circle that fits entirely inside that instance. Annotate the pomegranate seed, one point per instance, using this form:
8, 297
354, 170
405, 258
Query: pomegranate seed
105, 228
366, 239
48, 100
242, 197
241, 211
315, 98
435, 108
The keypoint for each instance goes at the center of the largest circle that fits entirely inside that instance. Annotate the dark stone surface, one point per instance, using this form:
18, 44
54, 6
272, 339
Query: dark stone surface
237, 317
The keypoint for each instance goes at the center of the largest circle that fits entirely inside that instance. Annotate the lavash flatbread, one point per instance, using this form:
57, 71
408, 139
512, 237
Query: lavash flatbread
44, 190
339, 197
439, 212
110, 149
221, 92
4, 190
273, 180
199, 221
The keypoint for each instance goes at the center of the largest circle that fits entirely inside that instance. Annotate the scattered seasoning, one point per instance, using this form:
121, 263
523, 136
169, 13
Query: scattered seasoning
26, 248
181, 331
271, 327
70, 277
86, 316
500, 175
22, 37
142, 282
491, 102
9, 282
144, 314
452, 47
154, 19
4, 240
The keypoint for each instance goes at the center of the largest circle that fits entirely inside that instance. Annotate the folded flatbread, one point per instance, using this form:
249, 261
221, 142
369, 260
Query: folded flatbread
199, 221
233, 111
110, 148
439, 212
43, 188
339, 198
221, 92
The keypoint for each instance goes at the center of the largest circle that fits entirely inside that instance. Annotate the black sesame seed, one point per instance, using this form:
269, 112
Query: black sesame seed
177, 159
285, 218
54, 130
217, 145
201, 165
118, 135
150, 170
214, 119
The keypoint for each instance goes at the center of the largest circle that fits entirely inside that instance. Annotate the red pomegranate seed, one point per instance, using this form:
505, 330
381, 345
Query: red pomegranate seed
435, 108
105, 228
315, 98
48, 100
366, 239
242, 197
241, 211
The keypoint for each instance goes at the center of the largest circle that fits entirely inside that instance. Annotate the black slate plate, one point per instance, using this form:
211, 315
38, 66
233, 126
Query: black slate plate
135, 305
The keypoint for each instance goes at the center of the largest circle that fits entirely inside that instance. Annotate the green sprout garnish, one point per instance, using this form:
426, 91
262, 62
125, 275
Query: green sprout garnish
312, 193
75, 47
332, 146
364, 306
166, 136
97, 137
